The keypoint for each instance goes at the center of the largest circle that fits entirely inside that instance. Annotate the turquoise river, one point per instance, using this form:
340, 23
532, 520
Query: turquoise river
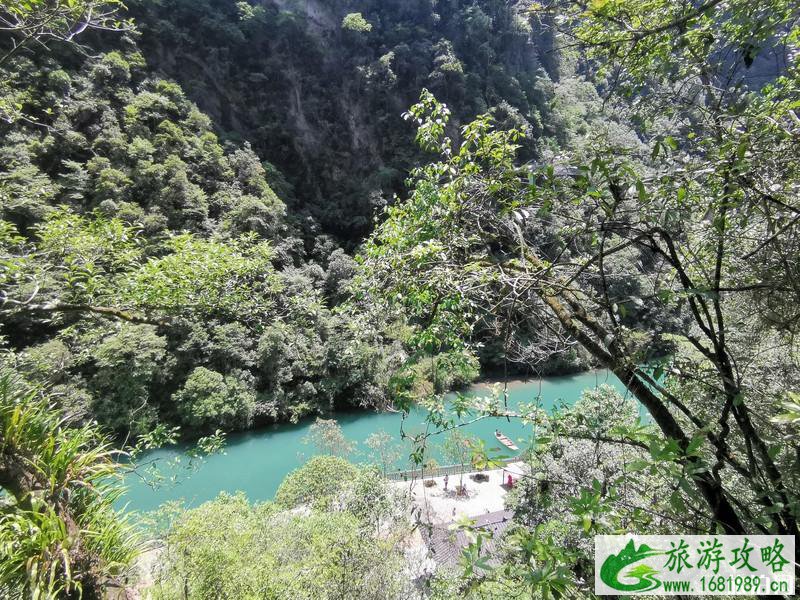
257, 461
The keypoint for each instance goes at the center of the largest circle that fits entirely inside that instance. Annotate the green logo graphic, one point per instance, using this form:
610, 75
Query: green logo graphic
694, 565
644, 574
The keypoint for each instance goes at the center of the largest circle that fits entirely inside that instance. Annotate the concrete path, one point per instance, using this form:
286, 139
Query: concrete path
439, 506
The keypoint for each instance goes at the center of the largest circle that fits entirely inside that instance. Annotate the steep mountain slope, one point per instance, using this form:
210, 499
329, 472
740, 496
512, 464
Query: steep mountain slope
148, 272
322, 99
122, 192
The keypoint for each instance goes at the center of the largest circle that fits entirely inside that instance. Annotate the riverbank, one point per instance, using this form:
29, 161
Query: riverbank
601, 376
434, 503
256, 462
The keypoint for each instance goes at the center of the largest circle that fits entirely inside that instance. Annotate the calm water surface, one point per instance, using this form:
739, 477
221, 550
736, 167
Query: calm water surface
257, 461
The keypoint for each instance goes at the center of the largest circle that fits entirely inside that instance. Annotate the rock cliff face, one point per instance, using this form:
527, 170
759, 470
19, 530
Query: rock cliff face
323, 102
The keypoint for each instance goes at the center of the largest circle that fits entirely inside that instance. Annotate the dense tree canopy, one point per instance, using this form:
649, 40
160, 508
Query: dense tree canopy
120, 205
318, 87
343, 542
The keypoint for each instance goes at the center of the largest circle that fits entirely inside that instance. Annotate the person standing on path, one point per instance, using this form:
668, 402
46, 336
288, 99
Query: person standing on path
446, 480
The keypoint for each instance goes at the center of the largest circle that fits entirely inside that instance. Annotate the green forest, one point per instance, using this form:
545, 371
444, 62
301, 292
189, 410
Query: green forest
224, 222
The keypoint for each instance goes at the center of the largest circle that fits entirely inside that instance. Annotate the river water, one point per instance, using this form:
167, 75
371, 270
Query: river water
256, 462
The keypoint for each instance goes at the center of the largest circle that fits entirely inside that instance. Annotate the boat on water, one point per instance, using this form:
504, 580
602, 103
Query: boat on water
505, 440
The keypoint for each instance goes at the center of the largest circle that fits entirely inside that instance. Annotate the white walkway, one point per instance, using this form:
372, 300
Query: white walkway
439, 506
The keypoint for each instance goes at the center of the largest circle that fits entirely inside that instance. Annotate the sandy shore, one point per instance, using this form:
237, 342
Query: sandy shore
602, 376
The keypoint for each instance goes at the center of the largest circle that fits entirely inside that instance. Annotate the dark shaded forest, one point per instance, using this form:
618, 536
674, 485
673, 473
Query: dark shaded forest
323, 102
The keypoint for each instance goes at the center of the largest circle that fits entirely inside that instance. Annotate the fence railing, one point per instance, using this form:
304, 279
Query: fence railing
442, 471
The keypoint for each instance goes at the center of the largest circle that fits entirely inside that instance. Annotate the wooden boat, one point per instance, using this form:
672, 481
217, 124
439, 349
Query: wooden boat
505, 440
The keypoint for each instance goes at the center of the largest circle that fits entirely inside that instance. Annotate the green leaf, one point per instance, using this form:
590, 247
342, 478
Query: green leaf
641, 190
694, 444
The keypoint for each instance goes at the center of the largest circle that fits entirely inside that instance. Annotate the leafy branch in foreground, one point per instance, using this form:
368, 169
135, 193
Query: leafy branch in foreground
98, 266
40, 22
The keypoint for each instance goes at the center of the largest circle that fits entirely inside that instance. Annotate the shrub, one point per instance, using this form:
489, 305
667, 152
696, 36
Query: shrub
48, 362
128, 363
209, 399
229, 549
316, 482
356, 22
430, 375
